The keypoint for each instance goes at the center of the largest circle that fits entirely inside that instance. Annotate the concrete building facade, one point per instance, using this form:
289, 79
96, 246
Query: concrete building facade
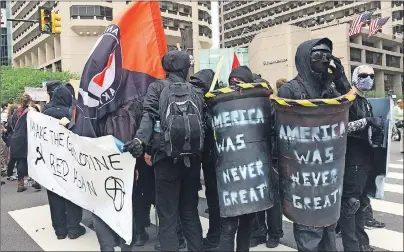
5, 34
240, 21
272, 53
84, 22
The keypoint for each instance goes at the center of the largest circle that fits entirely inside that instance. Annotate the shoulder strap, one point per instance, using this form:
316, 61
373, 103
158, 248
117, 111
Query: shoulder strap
23, 113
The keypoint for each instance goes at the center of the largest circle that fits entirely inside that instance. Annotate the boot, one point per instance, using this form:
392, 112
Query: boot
36, 185
21, 186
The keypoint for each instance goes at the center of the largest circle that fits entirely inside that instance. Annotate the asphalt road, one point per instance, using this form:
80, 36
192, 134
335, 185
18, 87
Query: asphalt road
19, 234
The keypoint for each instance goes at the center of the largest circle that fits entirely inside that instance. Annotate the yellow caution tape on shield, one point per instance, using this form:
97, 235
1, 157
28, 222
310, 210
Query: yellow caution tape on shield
235, 88
350, 96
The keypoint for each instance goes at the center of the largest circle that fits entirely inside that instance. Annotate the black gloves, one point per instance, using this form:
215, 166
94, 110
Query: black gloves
135, 147
375, 122
338, 69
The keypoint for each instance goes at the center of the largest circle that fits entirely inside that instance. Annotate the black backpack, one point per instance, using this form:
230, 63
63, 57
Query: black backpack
123, 122
181, 115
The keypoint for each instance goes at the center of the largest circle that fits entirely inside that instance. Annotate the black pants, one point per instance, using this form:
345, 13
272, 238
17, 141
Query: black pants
66, 216
272, 224
314, 238
107, 238
212, 198
22, 168
141, 212
10, 166
243, 226
177, 194
353, 205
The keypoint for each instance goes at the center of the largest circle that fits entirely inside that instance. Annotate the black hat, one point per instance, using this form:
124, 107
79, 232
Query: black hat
243, 73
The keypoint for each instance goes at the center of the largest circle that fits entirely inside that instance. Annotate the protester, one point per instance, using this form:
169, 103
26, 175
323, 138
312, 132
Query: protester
3, 146
50, 87
267, 226
203, 79
313, 60
242, 225
19, 143
398, 113
177, 178
7, 134
66, 216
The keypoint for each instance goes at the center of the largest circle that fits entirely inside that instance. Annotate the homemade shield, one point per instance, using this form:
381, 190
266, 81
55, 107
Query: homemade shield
312, 137
381, 107
242, 131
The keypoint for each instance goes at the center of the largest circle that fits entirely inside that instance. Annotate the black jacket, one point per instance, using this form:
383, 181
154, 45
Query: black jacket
19, 141
60, 103
176, 64
307, 84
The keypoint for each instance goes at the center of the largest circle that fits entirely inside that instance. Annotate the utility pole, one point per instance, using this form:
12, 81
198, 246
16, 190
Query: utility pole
187, 45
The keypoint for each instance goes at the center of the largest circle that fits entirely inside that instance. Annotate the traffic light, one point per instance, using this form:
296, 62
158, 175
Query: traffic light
45, 20
56, 24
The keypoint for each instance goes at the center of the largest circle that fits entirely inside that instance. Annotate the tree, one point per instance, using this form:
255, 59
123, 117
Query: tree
14, 80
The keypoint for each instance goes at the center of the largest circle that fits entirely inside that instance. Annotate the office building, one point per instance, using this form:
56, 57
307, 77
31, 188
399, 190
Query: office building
240, 21
272, 53
82, 24
5, 34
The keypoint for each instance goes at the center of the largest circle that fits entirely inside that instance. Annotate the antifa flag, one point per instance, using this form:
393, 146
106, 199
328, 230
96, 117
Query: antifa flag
236, 63
125, 60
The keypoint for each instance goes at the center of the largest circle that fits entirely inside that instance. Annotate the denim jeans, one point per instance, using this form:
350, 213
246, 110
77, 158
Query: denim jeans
243, 226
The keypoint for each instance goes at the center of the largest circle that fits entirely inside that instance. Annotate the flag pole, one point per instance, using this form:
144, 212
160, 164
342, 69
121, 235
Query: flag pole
218, 68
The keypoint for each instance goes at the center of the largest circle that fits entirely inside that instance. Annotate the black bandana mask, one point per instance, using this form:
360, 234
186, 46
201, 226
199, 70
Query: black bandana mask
320, 58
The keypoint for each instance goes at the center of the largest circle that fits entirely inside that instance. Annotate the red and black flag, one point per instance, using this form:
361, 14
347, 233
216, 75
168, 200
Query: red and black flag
125, 60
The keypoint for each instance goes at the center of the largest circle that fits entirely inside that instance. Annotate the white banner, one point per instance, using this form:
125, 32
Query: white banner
90, 172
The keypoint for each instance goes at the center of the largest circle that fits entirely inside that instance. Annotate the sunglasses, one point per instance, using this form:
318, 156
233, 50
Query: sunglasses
319, 55
365, 75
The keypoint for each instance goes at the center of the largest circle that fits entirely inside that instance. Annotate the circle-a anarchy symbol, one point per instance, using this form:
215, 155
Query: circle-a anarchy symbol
115, 189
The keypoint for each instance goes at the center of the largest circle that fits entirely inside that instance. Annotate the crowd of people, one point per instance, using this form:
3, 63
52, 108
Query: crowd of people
169, 178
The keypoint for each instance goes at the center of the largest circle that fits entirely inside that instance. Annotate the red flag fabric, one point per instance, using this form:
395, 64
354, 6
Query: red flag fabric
236, 63
124, 62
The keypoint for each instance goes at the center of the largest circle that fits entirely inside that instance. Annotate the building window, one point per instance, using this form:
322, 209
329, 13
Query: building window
4, 60
392, 61
2, 4
373, 58
356, 54
388, 82
91, 12
58, 66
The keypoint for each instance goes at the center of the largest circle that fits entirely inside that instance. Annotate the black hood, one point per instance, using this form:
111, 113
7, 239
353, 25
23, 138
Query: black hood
52, 85
309, 78
176, 63
71, 88
203, 79
243, 73
61, 97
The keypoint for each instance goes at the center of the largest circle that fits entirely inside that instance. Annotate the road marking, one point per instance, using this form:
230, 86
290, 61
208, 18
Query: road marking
396, 166
36, 221
393, 188
387, 207
401, 160
395, 175
205, 227
385, 239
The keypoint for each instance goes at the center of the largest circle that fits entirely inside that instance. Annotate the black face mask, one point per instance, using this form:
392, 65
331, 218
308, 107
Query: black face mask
320, 58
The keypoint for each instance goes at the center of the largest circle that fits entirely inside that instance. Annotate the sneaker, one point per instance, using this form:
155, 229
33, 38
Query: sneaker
36, 185
78, 233
255, 241
12, 178
272, 242
373, 223
2, 182
141, 239
61, 237
207, 245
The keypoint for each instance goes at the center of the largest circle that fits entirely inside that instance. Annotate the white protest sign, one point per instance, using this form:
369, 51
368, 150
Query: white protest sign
90, 172
37, 94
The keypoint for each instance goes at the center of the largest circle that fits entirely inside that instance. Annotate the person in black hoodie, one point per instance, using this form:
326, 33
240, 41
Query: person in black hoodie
176, 185
66, 216
314, 80
242, 225
50, 88
203, 79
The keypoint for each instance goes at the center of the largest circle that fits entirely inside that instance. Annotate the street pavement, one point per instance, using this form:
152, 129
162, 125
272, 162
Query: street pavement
26, 223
